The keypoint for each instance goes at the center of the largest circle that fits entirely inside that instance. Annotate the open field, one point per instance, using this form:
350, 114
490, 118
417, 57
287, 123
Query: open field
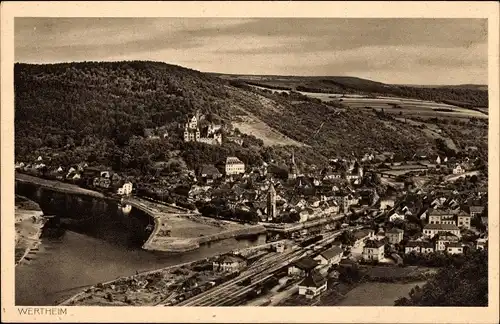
410, 107
394, 105
377, 294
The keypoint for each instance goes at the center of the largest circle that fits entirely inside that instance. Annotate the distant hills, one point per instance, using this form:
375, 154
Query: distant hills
468, 94
482, 87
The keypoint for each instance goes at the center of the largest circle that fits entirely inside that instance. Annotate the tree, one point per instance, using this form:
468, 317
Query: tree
463, 282
477, 222
347, 238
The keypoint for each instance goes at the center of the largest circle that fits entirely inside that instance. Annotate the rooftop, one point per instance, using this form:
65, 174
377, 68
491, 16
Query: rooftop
374, 244
233, 160
209, 169
314, 279
333, 252
361, 233
306, 263
476, 209
443, 227
419, 244
395, 230
447, 236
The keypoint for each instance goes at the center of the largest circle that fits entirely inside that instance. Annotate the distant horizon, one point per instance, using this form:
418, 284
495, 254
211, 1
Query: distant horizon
263, 75
430, 51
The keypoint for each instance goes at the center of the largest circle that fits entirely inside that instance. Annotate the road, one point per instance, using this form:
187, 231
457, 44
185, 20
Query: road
454, 177
231, 293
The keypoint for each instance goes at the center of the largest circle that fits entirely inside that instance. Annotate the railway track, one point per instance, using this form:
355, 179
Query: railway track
223, 288
231, 294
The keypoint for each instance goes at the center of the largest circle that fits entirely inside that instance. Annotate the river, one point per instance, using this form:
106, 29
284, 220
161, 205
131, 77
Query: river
377, 294
92, 254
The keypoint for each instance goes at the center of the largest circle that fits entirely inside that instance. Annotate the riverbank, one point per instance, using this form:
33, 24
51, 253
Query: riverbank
160, 287
120, 291
29, 222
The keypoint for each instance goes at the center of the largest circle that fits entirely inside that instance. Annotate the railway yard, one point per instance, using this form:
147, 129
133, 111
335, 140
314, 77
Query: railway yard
200, 284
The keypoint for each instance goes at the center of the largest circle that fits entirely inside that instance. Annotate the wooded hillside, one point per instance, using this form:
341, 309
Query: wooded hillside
97, 112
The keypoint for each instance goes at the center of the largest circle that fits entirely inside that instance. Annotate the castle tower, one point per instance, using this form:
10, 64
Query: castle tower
360, 170
293, 171
271, 203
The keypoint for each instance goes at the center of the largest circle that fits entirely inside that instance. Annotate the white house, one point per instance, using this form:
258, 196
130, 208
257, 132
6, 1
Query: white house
234, 166
476, 210
19, 165
373, 250
454, 248
419, 247
444, 239
441, 217
395, 216
482, 243
125, 189
394, 235
387, 203
362, 236
458, 169
430, 230
313, 285
229, 263
331, 256
463, 220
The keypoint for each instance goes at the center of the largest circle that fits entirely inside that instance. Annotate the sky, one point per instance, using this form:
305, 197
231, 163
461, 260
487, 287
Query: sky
392, 50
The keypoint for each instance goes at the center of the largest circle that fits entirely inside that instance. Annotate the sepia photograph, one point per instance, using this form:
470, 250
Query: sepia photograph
251, 161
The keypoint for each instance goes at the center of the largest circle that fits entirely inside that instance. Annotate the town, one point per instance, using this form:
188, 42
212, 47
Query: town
373, 210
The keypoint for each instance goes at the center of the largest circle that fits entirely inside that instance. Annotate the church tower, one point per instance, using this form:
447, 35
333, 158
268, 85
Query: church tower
293, 171
271, 203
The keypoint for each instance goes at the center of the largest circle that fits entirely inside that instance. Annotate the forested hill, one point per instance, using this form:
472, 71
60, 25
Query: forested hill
114, 100
98, 111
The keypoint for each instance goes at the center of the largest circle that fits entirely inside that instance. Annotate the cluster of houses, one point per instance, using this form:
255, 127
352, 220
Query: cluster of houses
92, 177
442, 233
272, 199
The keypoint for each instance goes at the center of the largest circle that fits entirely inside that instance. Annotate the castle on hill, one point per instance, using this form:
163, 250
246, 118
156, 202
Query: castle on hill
208, 134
